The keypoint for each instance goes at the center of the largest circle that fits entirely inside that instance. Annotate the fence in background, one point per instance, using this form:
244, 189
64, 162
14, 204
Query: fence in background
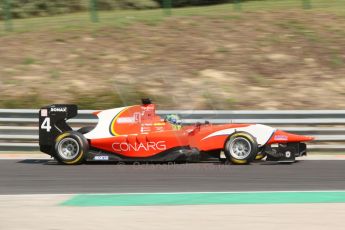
19, 130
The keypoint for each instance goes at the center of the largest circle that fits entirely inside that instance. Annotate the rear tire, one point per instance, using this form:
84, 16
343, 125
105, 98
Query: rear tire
71, 148
241, 148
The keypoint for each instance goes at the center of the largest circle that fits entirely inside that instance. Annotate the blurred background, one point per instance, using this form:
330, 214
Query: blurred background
184, 54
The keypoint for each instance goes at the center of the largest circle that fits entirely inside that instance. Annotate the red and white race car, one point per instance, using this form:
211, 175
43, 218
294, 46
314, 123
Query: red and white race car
137, 134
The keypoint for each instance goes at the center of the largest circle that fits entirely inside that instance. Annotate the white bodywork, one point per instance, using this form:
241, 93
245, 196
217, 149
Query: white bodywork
104, 123
262, 133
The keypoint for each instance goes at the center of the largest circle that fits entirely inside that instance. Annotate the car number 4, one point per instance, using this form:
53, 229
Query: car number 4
46, 124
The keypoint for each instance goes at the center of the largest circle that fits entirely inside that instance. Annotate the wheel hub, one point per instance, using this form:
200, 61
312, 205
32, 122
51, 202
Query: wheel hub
68, 148
240, 148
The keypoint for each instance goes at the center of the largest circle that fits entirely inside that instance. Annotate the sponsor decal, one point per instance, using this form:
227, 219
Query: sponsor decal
159, 124
280, 138
137, 117
44, 113
63, 109
125, 147
124, 120
145, 129
160, 128
128, 120
101, 158
147, 108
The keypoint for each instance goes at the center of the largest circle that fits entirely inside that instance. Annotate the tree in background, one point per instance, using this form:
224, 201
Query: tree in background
29, 8
34, 8
181, 3
126, 4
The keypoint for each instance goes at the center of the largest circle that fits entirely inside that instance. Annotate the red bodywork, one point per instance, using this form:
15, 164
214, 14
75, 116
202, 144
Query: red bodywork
138, 132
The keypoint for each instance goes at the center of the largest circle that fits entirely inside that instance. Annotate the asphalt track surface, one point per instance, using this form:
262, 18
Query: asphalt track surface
47, 177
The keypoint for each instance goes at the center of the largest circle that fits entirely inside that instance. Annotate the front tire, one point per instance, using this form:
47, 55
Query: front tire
71, 148
261, 155
241, 148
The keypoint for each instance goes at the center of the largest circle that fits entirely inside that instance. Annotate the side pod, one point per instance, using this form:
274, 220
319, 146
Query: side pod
52, 122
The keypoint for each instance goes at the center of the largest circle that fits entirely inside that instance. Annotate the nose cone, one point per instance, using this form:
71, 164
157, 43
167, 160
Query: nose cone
309, 138
301, 138
283, 137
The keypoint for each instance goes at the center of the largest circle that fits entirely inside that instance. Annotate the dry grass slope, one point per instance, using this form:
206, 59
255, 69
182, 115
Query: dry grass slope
269, 56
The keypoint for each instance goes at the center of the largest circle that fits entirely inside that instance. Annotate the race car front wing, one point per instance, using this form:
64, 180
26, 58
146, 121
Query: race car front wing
285, 152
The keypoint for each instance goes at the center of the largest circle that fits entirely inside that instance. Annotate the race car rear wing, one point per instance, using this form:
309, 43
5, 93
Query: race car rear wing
52, 122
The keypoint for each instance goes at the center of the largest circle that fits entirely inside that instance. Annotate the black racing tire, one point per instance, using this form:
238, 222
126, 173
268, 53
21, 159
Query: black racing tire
241, 148
86, 129
71, 148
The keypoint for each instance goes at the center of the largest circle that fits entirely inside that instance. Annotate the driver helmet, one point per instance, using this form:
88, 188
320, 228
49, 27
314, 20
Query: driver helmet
174, 120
